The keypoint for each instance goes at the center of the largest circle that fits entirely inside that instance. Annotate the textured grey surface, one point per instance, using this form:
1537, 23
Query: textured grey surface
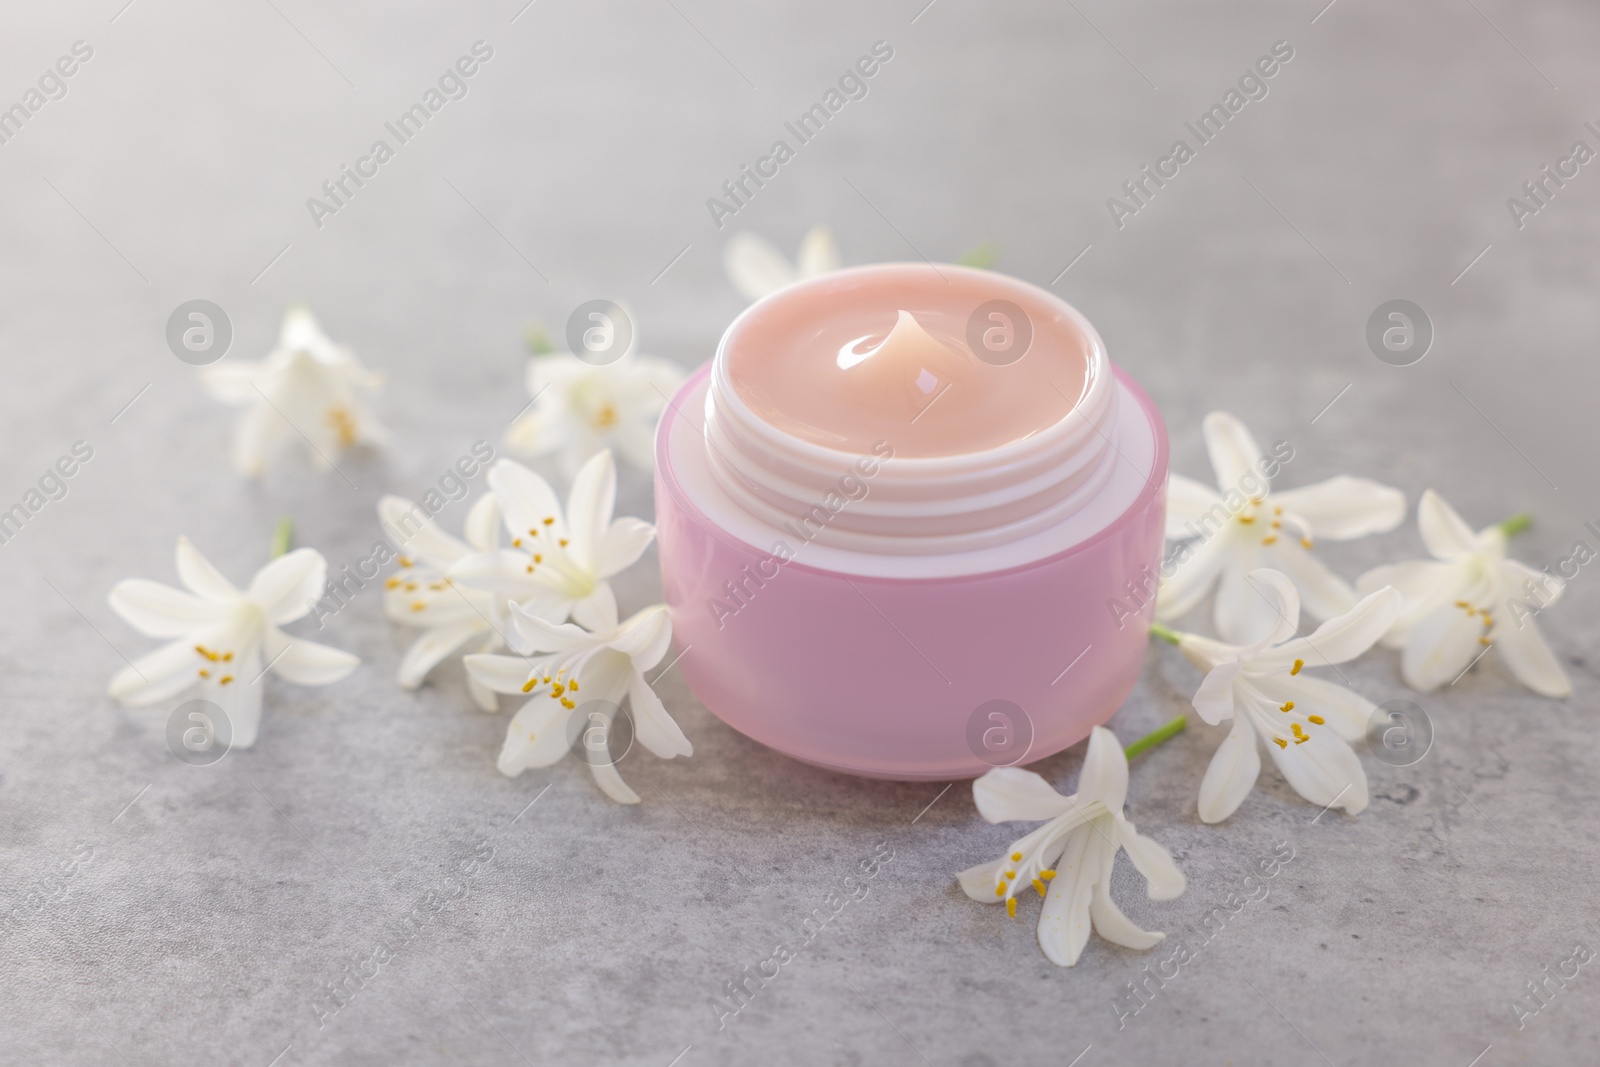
217, 903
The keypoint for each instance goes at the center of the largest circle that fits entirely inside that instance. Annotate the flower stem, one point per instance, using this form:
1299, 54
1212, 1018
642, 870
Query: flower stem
1516, 523
1166, 633
1156, 736
281, 535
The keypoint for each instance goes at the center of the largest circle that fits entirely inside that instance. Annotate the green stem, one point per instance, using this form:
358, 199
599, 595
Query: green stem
281, 536
1156, 736
1516, 523
1166, 633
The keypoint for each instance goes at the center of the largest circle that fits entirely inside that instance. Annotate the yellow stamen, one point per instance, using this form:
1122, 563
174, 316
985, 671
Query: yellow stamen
557, 689
1000, 890
1295, 727
1008, 875
404, 561
419, 606
1297, 665
516, 542
538, 558
569, 705
225, 679
563, 542
1302, 739
1016, 857
1011, 907
391, 583
549, 520
204, 673
1038, 887
1288, 706
1247, 519
1463, 605
1318, 719
530, 568
1305, 542
532, 532
1280, 742
1047, 875
1270, 539
1484, 641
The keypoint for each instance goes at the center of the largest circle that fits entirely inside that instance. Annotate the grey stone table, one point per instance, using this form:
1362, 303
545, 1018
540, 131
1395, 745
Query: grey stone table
159, 913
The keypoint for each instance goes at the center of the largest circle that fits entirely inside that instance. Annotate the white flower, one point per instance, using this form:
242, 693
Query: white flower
1068, 860
556, 566
1248, 527
580, 408
307, 390
579, 680
1307, 722
424, 595
1448, 619
756, 268
223, 634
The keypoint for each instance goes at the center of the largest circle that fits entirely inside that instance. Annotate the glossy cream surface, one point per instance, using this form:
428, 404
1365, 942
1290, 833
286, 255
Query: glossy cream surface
884, 356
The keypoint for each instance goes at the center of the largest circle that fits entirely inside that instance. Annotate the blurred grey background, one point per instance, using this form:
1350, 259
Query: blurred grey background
218, 903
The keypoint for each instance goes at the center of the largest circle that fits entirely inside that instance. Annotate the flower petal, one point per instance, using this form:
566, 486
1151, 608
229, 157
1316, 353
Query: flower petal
1104, 776
526, 501
305, 662
241, 699
200, 577
1423, 584
1343, 508
1214, 699
1064, 920
155, 676
503, 571
1323, 594
1194, 576
611, 783
1323, 769
1233, 771
589, 508
1111, 924
1007, 794
160, 610
1340, 639
597, 611
1348, 713
539, 634
1523, 648
819, 252
1163, 879
429, 650
1187, 502
500, 674
286, 588
1521, 582
621, 545
1234, 453
755, 266
1440, 646
536, 735
654, 728
412, 531
1259, 607
483, 524
1445, 532
644, 636
979, 882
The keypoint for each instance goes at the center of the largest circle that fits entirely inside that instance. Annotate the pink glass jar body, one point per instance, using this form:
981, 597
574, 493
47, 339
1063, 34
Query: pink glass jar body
926, 678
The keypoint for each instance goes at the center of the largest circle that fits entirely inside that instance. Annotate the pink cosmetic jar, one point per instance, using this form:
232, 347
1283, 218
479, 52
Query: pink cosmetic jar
915, 613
